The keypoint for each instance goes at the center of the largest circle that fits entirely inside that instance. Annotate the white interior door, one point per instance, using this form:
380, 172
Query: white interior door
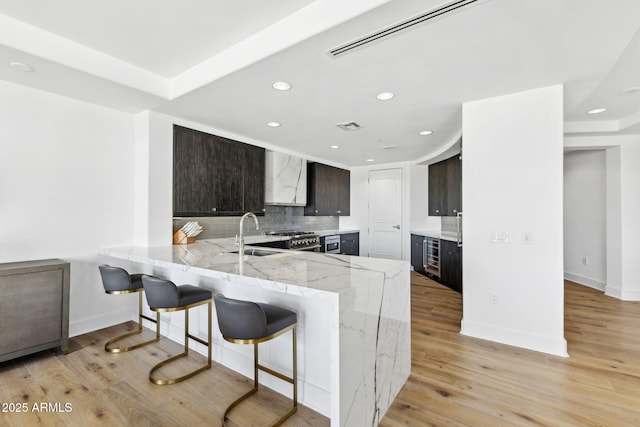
385, 213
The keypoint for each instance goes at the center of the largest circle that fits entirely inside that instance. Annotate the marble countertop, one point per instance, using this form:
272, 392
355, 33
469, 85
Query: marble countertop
354, 316
323, 233
296, 272
443, 235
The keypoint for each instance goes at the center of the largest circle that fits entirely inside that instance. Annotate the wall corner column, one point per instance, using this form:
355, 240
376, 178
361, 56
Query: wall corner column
153, 178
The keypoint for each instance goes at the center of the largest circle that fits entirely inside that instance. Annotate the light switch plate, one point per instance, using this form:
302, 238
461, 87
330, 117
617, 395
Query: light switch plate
499, 237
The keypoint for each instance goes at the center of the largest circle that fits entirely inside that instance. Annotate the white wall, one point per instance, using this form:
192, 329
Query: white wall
419, 200
585, 218
154, 151
66, 189
512, 180
630, 213
622, 210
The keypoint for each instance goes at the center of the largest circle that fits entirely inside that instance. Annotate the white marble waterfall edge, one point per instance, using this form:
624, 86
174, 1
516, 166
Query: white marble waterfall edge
351, 310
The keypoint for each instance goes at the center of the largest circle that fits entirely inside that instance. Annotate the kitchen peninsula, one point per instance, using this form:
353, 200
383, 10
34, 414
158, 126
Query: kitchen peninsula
354, 350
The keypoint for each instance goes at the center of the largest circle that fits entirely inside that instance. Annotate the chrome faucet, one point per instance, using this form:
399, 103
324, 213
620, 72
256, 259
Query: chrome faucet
241, 242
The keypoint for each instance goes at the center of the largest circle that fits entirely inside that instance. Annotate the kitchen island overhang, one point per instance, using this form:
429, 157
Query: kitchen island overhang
354, 348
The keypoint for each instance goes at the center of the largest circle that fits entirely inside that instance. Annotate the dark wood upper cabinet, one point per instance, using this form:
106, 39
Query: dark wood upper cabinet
445, 187
328, 190
213, 175
253, 179
343, 178
438, 188
454, 185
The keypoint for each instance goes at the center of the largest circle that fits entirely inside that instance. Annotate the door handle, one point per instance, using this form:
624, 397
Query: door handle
396, 226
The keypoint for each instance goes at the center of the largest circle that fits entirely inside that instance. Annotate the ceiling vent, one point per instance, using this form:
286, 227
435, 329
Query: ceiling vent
400, 26
349, 126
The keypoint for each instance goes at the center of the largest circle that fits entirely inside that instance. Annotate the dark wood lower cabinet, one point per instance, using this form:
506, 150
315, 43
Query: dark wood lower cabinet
451, 264
350, 244
417, 253
450, 259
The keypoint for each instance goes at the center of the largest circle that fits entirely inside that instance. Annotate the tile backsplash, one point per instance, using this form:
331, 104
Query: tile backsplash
275, 218
449, 224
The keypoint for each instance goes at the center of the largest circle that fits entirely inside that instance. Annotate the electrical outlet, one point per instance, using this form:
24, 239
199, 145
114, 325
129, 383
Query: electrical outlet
493, 297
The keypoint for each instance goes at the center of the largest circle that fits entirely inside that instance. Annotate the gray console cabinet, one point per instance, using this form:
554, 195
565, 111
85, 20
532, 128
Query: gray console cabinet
34, 307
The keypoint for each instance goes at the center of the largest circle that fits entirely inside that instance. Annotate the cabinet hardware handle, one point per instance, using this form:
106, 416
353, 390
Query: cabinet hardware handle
397, 226
338, 211
424, 254
214, 209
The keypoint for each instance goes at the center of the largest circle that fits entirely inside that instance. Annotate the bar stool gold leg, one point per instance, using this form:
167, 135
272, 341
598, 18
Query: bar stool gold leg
257, 366
187, 335
107, 346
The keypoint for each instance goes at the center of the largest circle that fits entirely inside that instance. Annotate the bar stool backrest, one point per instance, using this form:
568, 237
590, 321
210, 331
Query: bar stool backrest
161, 293
115, 278
240, 320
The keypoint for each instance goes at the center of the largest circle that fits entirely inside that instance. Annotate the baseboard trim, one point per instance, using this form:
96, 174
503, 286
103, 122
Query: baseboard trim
632, 295
543, 344
581, 280
90, 324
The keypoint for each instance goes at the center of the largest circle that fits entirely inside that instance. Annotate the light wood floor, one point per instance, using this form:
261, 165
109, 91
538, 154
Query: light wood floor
455, 380
462, 381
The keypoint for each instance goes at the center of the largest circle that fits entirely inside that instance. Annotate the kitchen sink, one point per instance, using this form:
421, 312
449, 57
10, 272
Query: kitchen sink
257, 252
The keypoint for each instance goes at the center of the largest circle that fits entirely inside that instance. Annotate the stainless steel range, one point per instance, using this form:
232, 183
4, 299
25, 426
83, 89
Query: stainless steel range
299, 240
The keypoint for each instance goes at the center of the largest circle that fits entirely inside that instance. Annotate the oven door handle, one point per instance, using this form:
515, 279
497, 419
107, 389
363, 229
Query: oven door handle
307, 248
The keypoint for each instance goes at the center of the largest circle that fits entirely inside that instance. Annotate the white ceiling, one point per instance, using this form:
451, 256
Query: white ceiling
213, 62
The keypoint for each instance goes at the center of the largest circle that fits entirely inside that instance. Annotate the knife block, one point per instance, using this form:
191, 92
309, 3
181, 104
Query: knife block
179, 238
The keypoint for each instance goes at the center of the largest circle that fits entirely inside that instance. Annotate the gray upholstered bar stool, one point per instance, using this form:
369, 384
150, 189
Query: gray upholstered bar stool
116, 281
245, 322
165, 296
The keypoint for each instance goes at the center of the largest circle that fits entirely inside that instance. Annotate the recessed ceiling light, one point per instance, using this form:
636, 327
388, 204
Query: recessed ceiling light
385, 96
273, 124
631, 90
335, 146
597, 111
426, 132
371, 160
281, 86
22, 67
